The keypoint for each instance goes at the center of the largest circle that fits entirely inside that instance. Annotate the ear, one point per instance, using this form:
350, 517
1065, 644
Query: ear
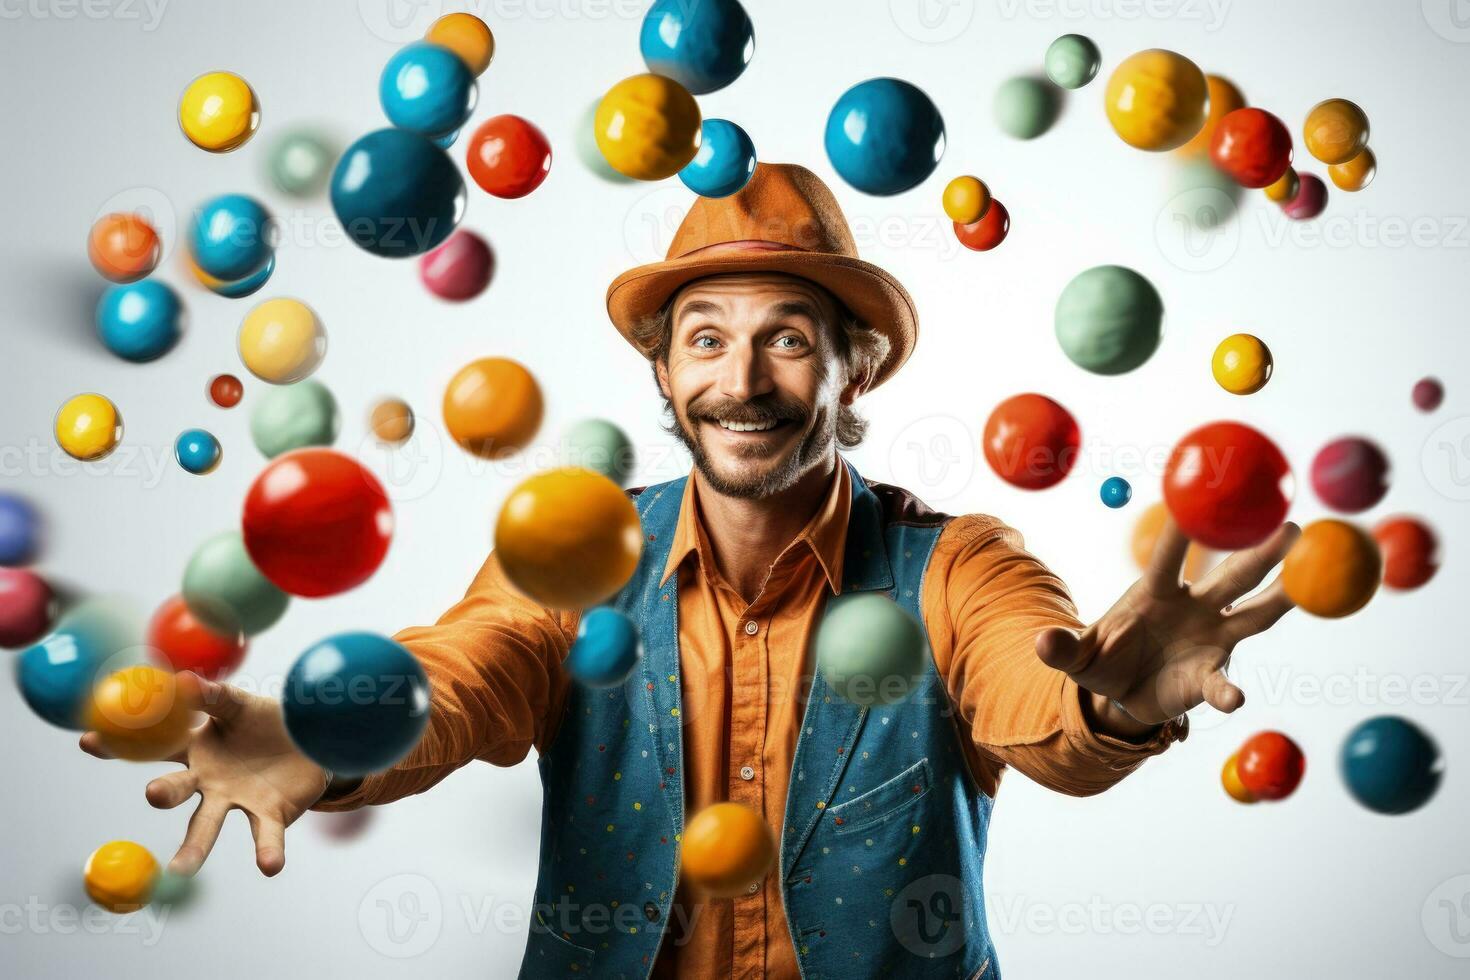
661, 371
855, 387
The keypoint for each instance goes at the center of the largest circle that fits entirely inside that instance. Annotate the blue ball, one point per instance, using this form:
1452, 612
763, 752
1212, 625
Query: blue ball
884, 136
703, 45
140, 321
397, 194
447, 140
606, 648
724, 163
1390, 765
197, 451
356, 703
232, 238
57, 674
1116, 492
241, 288
20, 530
427, 89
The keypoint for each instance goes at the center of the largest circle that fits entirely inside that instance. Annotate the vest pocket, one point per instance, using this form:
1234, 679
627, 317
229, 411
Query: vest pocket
884, 802
548, 954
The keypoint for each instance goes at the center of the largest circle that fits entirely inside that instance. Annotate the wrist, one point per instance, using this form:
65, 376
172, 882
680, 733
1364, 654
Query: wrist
1108, 717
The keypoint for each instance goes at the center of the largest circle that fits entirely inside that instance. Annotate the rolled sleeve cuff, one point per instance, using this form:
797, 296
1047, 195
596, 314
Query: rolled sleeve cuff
366, 793
1109, 751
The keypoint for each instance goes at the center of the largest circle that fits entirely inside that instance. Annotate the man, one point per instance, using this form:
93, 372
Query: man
763, 328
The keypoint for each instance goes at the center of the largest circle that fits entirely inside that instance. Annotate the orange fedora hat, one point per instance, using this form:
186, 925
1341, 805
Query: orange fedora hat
784, 220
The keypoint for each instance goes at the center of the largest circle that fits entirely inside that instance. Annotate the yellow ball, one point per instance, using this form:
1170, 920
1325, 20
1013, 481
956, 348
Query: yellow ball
282, 341
120, 876
1335, 131
219, 112
1285, 188
966, 199
467, 36
140, 714
88, 427
1242, 364
647, 127
1157, 100
1357, 173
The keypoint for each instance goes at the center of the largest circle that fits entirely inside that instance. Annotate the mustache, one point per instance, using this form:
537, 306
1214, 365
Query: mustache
765, 408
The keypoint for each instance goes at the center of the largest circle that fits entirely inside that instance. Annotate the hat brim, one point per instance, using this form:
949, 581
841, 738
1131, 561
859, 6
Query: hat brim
874, 297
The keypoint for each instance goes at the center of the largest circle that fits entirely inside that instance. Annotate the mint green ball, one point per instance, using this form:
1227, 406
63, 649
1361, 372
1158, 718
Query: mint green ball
870, 649
226, 592
1202, 197
1072, 61
1025, 107
588, 152
598, 445
300, 162
1109, 320
294, 416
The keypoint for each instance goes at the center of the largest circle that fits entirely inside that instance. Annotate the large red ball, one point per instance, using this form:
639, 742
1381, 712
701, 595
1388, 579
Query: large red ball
27, 606
181, 642
1227, 485
1410, 551
460, 269
316, 522
1252, 146
988, 232
1271, 765
1031, 441
1350, 474
508, 156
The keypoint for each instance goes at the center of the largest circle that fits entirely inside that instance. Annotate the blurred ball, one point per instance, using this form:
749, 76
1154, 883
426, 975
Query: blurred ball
1336, 131
1310, 199
1242, 364
56, 674
1025, 107
884, 136
1156, 100
1202, 201
1109, 320
1350, 474
988, 232
392, 421
467, 36
232, 237
294, 416
966, 200
1115, 492
1230, 779
1410, 552
725, 848
123, 247
1072, 61
282, 341
724, 162
219, 112
140, 714
1270, 766
174, 892
871, 650
460, 269
225, 390
1333, 569
492, 407
1284, 188
426, 89
1227, 486
120, 876
1428, 394
300, 162
27, 606
1390, 765
1355, 174
225, 590
1031, 442
179, 641
1224, 98
647, 127
20, 530
588, 151
508, 156
447, 140
344, 825
606, 648
88, 427
396, 193
703, 46
197, 451
1253, 146
1146, 537
600, 446
238, 288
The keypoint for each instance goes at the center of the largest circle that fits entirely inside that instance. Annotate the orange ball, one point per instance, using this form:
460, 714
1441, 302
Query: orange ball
140, 714
569, 538
726, 848
1333, 569
1357, 173
1146, 536
392, 421
1335, 131
1284, 190
467, 36
123, 247
1225, 98
1230, 779
492, 407
120, 876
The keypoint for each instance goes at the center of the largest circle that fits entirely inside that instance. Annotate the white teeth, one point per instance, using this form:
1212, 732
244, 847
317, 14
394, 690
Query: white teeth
748, 426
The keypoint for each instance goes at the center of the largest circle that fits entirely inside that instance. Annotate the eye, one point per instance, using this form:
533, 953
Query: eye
790, 341
705, 342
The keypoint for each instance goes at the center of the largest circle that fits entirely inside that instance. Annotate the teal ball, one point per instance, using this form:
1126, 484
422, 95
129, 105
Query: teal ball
1025, 107
870, 649
1072, 61
293, 417
600, 446
226, 592
1109, 320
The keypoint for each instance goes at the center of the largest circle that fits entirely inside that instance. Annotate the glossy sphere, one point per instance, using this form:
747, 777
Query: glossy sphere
988, 232
294, 417
606, 648
1031, 442
300, 163
1270, 766
397, 194
1146, 536
1109, 320
492, 407
884, 136
27, 606
1284, 188
966, 200
392, 421
1156, 100
725, 849
467, 36
123, 247
1350, 474
1225, 98
56, 675
1025, 107
724, 162
197, 451
647, 127
1335, 131
356, 703
460, 269
1115, 492
870, 650
1410, 551
1428, 394
1227, 486
1072, 61
1310, 200
1356, 174
569, 538
239, 288
703, 46
1390, 765
179, 641
88, 427
225, 390
599, 446
226, 592
20, 530
232, 238
219, 112
588, 151
1333, 569
316, 523
1253, 146
1230, 779
140, 714
120, 876
282, 341
140, 321
1242, 364
508, 156
427, 89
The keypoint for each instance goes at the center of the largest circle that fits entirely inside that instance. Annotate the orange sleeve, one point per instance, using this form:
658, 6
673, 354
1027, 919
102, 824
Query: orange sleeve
985, 599
494, 663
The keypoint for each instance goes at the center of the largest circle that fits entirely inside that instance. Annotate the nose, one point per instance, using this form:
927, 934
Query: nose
744, 373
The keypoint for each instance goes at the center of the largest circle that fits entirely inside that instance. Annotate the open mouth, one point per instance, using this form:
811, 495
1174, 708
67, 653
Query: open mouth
765, 426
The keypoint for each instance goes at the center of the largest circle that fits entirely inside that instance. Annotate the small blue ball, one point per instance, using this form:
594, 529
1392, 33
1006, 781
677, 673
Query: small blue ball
197, 451
724, 163
1390, 765
884, 136
56, 676
250, 284
427, 89
606, 648
397, 194
1116, 492
20, 530
703, 45
140, 321
232, 238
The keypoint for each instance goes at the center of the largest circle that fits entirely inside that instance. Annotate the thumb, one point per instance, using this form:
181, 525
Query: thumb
1062, 649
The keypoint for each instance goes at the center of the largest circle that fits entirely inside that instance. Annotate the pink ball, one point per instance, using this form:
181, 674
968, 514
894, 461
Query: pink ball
1310, 200
1428, 393
26, 607
460, 269
1350, 474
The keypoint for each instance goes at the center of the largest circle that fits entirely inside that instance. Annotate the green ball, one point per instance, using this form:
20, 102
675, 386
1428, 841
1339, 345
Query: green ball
299, 163
600, 446
174, 892
293, 416
1072, 61
1025, 107
1109, 320
224, 589
1202, 197
589, 154
870, 649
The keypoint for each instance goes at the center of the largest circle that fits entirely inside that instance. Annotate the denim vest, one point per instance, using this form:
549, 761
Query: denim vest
884, 832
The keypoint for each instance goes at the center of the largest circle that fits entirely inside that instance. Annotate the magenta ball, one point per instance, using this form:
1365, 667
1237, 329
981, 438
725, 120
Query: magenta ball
1310, 199
26, 607
1428, 393
460, 269
1350, 474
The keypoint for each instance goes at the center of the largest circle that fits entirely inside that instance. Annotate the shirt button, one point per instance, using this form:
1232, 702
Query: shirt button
754, 887
746, 772
752, 628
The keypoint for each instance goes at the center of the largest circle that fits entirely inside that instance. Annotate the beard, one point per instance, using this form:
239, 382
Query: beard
761, 472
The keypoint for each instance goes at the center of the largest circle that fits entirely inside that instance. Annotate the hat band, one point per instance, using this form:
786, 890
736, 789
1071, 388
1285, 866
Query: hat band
744, 245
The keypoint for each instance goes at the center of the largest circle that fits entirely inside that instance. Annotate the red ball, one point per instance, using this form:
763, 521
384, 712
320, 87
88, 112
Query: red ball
225, 390
1310, 200
316, 522
27, 606
1030, 441
1227, 486
182, 642
1428, 393
988, 232
508, 156
1410, 551
1350, 474
1270, 765
460, 269
1252, 146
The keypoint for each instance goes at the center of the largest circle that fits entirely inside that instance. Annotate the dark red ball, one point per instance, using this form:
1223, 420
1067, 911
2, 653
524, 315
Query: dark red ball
508, 156
1271, 766
1227, 485
1252, 146
181, 642
988, 232
460, 269
1310, 200
1350, 474
27, 606
1428, 394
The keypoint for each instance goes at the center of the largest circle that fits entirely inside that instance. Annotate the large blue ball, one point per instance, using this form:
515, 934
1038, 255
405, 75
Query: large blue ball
724, 163
606, 648
427, 89
252, 283
140, 321
233, 237
703, 45
396, 193
356, 703
20, 530
1390, 765
57, 674
884, 136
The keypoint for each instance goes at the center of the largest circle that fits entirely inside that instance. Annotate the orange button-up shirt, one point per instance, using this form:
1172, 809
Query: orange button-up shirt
494, 662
